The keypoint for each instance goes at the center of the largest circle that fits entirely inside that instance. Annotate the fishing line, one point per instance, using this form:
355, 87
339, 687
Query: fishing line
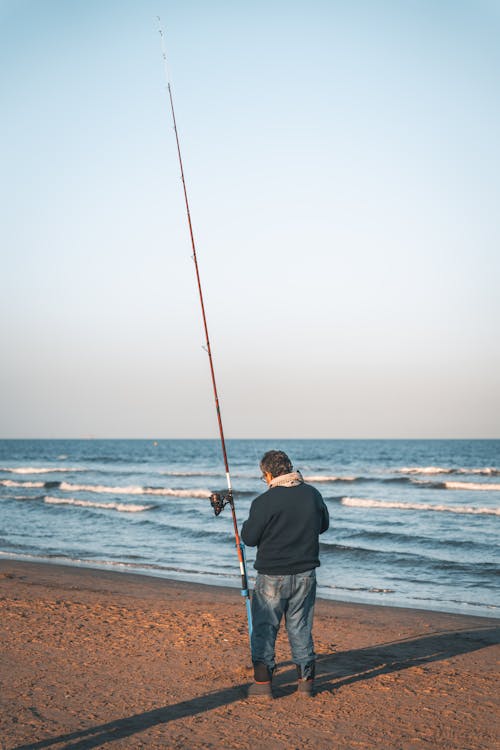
218, 499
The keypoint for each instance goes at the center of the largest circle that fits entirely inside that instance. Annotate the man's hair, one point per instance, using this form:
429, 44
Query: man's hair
276, 463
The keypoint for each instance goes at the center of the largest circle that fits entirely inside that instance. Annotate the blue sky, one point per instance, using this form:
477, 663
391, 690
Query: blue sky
342, 161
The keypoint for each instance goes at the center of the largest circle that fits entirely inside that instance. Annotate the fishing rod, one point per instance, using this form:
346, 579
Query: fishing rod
218, 500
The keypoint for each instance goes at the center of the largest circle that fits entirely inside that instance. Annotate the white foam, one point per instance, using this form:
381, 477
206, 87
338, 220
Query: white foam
364, 502
38, 470
134, 490
12, 483
121, 507
424, 470
471, 486
323, 478
487, 471
191, 473
457, 485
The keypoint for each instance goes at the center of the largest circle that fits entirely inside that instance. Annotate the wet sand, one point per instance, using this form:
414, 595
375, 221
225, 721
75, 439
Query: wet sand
94, 659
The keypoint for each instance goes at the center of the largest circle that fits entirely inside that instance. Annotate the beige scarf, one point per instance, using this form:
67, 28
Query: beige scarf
287, 480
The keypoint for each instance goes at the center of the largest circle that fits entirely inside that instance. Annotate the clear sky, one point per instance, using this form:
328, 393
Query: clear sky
343, 165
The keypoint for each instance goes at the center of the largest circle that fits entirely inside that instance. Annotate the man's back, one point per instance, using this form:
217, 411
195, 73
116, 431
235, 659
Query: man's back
285, 523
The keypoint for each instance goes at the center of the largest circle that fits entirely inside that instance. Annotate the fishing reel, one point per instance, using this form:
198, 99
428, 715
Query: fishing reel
218, 501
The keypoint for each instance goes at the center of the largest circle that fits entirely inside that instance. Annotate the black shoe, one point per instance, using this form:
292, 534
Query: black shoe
262, 675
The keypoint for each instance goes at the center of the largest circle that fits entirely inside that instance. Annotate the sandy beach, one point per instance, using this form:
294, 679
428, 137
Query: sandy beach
92, 659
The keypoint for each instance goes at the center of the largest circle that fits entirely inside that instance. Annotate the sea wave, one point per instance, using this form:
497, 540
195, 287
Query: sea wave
222, 571
367, 589
486, 471
401, 538
364, 502
135, 490
118, 490
471, 486
24, 497
120, 507
435, 485
412, 560
323, 478
13, 483
40, 470
192, 474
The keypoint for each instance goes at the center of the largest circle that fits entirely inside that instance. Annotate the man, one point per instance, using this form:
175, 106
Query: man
284, 524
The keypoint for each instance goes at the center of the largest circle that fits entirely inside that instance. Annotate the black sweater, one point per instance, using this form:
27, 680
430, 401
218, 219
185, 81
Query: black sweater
285, 523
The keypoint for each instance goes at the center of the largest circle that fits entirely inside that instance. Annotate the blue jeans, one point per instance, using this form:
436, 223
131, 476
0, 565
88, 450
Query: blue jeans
292, 596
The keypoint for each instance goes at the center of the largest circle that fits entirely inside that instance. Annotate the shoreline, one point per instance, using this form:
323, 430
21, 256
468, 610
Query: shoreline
115, 568
92, 656
230, 591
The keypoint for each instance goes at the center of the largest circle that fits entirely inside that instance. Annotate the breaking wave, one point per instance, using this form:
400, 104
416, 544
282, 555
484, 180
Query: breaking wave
362, 502
479, 486
12, 483
471, 486
487, 471
134, 490
120, 507
191, 474
105, 489
323, 478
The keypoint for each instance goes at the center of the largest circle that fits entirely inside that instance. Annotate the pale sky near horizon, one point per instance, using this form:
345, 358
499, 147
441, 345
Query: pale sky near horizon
343, 164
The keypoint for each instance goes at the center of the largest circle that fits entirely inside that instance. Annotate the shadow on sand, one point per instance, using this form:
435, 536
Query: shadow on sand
333, 671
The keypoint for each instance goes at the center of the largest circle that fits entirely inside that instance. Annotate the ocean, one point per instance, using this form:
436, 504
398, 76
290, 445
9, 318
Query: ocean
413, 523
